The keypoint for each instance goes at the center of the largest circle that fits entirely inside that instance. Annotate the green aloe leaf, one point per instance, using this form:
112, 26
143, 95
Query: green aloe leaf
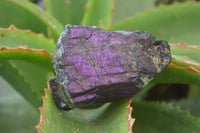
14, 38
17, 76
174, 23
40, 57
17, 81
99, 13
30, 62
26, 15
163, 118
69, 11
112, 118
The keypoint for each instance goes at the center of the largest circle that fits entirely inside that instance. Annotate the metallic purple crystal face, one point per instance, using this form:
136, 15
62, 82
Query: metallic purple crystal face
94, 66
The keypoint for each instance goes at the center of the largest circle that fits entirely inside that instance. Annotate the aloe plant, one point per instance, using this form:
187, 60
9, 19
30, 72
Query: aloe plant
28, 37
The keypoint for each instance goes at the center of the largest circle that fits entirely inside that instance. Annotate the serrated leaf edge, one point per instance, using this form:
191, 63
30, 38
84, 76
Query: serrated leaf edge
128, 107
14, 28
129, 116
38, 127
41, 51
178, 109
22, 53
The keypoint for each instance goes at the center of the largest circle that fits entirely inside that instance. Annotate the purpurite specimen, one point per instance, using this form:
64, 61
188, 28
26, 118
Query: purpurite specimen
95, 66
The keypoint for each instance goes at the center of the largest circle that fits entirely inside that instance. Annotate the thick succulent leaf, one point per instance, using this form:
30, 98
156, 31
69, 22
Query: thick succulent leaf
69, 11
124, 9
191, 105
112, 118
175, 23
35, 71
17, 115
40, 57
26, 15
20, 80
14, 38
157, 118
17, 80
36, 75
99, 13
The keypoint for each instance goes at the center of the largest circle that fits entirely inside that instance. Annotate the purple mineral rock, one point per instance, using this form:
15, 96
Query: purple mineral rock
95, 66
